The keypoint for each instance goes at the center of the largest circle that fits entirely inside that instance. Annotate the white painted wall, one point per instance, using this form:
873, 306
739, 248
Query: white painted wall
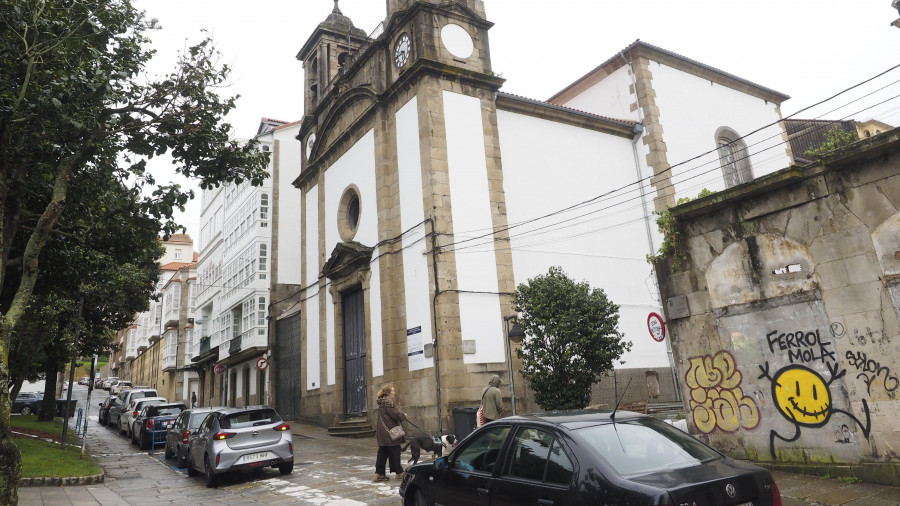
692, 109
412, 214
480, 317
610, 97
550, 166
376, 353
355, 167
313, 380
290, 211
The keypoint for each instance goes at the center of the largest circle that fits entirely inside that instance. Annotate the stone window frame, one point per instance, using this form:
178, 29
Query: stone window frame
346, 228
733, 157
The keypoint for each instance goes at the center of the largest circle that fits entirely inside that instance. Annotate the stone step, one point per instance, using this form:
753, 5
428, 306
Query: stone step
356, 427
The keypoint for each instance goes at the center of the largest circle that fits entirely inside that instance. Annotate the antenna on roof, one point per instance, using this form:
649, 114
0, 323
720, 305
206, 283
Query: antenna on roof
613, 415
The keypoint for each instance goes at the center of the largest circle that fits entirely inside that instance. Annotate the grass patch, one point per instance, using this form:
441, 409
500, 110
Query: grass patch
45, 458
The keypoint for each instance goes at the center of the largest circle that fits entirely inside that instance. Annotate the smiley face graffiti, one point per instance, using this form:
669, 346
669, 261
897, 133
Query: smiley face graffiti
802, 395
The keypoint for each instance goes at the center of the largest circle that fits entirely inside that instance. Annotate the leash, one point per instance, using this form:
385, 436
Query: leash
432, 436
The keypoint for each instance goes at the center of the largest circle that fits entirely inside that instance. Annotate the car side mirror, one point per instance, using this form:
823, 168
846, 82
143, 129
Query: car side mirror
101, 404
440, 464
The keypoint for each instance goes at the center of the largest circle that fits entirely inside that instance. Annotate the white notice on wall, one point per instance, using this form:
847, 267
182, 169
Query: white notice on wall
415, 348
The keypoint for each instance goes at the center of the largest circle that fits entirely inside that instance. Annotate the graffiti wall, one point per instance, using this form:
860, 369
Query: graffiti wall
785, 318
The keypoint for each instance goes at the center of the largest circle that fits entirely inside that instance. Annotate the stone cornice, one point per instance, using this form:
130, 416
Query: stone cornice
551, 112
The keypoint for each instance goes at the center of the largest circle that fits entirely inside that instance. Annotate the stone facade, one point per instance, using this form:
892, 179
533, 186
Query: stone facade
784, 317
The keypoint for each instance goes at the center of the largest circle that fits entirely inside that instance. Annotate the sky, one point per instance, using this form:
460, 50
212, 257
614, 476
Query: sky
807, 49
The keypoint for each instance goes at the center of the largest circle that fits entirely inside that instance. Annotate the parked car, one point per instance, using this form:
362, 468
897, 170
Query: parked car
582, 458
108, 382
151, 424
114, 412
136, 393
120, 387
98, 382
103, 414
178, 436
28, 402
131, 411
235, 439
83, 380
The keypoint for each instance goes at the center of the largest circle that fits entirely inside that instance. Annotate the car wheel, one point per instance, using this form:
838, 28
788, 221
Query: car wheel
190, 465
286, 467
208, 475
144, 442
121, 428
168, 455
26, 410
419, 498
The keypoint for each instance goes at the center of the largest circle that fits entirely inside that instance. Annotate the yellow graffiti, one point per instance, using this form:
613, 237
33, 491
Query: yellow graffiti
716, 397
802, 395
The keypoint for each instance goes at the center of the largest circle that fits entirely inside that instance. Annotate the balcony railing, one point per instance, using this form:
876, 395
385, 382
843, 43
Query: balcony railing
234, 346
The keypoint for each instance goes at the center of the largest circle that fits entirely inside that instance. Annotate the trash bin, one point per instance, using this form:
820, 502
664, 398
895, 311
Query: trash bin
61, 406
464, 421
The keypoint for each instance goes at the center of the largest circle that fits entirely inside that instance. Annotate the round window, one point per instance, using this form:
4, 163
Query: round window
349, 213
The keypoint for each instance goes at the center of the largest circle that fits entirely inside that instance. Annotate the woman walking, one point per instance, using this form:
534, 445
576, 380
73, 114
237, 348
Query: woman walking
388, 449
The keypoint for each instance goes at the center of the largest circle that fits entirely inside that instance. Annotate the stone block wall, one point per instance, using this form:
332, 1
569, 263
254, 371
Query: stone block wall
790, 349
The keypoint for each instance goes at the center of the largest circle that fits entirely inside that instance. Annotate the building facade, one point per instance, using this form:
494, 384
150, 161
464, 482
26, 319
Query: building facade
154, 350
427, 194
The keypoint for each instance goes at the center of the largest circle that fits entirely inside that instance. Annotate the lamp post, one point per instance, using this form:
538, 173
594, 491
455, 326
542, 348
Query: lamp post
514, 335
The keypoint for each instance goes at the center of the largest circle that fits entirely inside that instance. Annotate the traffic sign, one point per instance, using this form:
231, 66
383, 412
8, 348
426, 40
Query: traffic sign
220, 368
657, 327
262, 363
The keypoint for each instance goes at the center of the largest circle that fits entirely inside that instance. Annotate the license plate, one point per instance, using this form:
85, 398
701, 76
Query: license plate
749, 503
254, 457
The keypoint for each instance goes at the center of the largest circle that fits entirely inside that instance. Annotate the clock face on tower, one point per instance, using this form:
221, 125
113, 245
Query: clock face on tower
401, 51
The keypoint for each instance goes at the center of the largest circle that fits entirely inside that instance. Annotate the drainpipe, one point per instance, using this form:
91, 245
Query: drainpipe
638, 134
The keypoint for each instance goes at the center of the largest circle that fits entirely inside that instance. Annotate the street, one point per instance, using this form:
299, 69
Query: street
327, 471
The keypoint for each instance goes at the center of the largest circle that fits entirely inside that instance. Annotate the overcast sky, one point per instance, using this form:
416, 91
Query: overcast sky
807, 49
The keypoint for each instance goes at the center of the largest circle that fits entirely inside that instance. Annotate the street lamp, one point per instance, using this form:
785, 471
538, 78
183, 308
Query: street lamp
516, 334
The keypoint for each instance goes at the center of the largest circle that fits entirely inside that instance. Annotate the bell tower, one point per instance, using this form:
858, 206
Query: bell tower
325, 54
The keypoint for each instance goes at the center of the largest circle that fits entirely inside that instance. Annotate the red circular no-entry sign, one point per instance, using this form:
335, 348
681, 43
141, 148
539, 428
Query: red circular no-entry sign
657, 327
220, 368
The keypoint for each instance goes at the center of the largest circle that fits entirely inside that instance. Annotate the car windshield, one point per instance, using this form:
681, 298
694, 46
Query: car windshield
250, 418
645, 446
138, 395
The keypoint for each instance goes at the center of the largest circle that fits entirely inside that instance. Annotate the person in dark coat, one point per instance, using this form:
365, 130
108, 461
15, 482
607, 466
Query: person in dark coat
388, 417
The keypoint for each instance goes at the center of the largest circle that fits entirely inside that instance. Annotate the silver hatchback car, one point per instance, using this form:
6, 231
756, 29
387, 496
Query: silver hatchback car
235, 439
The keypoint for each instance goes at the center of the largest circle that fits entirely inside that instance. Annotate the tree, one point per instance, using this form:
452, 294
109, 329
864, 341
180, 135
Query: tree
75, 105
836, 137
572, 338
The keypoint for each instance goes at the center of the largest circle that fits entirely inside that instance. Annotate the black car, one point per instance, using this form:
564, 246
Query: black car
103, 414
28, 402
178, 437
586, 458
149, 428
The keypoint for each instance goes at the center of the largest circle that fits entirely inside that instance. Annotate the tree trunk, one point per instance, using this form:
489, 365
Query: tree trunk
10, 457
48, 406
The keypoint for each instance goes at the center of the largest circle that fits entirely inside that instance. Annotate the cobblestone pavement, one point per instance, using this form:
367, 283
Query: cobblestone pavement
328, 471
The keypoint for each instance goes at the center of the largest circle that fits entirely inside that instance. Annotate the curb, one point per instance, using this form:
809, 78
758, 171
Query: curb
61, 481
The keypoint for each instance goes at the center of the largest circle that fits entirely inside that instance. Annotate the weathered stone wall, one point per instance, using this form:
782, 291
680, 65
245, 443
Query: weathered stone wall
784, 316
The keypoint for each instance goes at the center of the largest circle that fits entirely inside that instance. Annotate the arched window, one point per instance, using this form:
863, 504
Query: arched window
868, 133
733, 157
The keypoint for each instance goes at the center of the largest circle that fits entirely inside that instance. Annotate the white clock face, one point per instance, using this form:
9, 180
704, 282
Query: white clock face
310, 141
401, 51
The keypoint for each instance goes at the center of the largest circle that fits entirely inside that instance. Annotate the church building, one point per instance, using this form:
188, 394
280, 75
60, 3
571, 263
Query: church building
426, 195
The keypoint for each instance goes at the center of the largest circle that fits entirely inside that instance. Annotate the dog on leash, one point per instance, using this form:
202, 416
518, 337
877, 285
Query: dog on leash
427, 444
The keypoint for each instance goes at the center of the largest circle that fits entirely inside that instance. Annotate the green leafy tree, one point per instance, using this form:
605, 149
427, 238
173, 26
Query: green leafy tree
572, 338
836, 137
74, 105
